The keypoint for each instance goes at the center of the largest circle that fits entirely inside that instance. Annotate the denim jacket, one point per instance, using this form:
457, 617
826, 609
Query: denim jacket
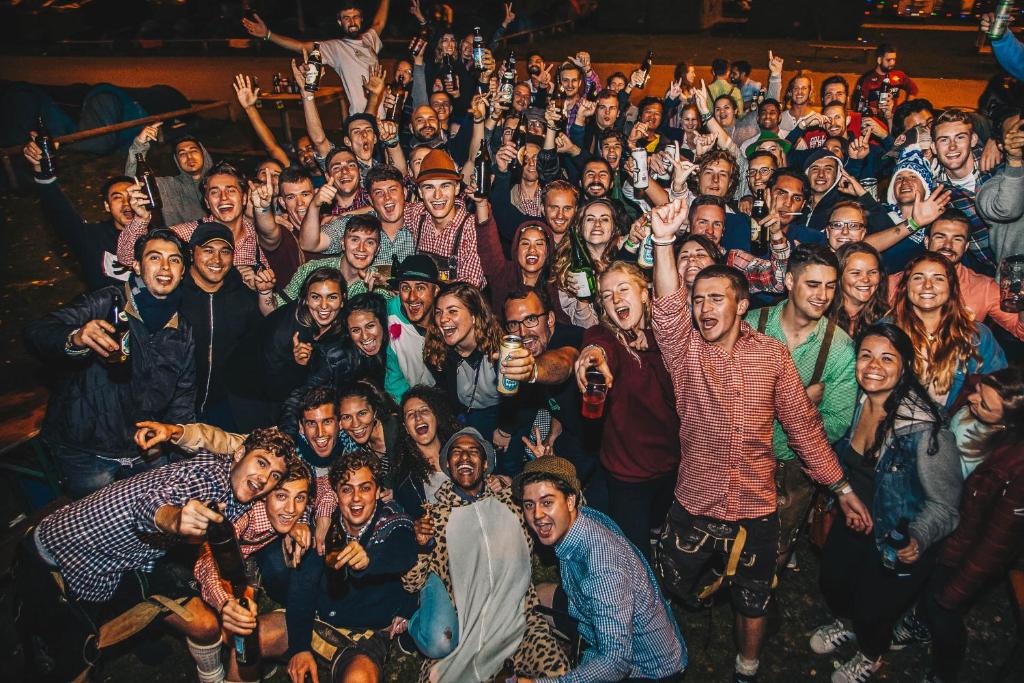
910, 483
992, 358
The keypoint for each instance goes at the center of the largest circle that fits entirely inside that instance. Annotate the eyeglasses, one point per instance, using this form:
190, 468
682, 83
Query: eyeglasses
845, 227
762, 172
529, 322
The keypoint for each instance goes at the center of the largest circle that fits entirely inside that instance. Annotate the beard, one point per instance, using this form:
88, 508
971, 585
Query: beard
533, 70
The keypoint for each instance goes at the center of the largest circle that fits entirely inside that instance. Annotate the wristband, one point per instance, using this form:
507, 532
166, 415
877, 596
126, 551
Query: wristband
391, 144
267, 37
72, 350
841, 487
912, 224
663, 243
706, 117
309, 98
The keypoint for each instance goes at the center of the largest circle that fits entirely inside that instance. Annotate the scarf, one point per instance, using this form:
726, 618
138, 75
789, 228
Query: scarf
154, 311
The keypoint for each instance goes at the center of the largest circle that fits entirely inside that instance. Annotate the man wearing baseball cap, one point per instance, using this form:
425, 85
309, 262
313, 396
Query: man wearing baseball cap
609, 596
415, 279
441, 226
221, 311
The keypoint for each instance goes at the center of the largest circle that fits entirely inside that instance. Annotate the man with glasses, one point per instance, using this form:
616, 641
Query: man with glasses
761, 166
846, 224
544, 415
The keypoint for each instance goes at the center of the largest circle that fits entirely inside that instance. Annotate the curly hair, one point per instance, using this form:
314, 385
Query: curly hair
563, 253
801, 73
272, 440
876, 308
411, 462
710, 157
348, 463
296, 469
937, 357
486, 330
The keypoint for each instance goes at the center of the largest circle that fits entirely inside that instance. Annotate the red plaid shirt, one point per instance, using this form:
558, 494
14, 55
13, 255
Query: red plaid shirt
253, 531
245, 250
763, 275
429, 240
727, 404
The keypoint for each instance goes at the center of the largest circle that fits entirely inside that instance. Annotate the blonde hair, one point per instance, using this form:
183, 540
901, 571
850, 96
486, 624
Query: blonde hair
486, 330
634, 273
937, 359
563, 253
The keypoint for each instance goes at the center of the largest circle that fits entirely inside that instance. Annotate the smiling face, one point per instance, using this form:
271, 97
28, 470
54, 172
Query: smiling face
715, 177
286, 504
357, 417
708, 220
117, 205
425, 125
439, 197
324, 301
834, 119
822, 174
624, 299
927, 287
527, 319
692, 259
768, 117
952, 145
388, 199
725, 111
455, 321
420, 421
357, 498
212, 262
907, 186
559, 208
652, 115
879, 365
949, 238
812, 290
351, 22
189, 156
835, 93
361, 248
366, 332
307, 153
417, 300
596, 179
717, 309
297, 197
987, 405
801, 90
532, 251
845, 225
759, 172
161, 267
225, 198
320, 427
344, 170
255, 473
466, 462
441, 103
598, 226
861, 278
569, 79
548, 511
611, 151
447, 44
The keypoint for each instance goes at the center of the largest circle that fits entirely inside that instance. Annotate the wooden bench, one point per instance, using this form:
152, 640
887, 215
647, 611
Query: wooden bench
867, 51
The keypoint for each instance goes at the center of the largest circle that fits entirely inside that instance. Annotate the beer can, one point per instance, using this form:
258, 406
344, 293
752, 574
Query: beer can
509, 343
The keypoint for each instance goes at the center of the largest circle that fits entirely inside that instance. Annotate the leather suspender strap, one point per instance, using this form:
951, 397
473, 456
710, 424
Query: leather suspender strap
826, 342
762, 319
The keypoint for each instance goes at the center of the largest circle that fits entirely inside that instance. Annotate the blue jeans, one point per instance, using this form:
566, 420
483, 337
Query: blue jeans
83, 471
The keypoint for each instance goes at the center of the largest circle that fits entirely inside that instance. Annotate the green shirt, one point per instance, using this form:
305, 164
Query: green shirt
292, 289
840, 382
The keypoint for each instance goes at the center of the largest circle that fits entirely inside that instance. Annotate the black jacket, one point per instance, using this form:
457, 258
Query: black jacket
96, 406
219, 321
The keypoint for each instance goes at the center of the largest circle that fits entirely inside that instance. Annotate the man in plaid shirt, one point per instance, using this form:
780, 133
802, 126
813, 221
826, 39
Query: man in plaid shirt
78, 557
731, 383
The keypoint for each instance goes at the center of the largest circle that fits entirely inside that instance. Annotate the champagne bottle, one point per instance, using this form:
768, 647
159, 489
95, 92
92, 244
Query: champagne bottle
314, 69
45, 143
146, 178
581, 267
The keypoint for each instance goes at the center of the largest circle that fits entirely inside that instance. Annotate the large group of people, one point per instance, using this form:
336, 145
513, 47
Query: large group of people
507, 313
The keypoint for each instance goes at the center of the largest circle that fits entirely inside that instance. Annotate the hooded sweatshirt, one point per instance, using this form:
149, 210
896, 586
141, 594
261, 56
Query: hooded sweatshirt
180, 193
876, 214
898, 255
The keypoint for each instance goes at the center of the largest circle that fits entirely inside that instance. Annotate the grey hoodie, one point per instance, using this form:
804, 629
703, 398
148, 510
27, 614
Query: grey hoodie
179, 193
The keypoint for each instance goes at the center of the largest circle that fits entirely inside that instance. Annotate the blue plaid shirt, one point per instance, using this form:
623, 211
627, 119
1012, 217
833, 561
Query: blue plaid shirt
614, 597
99, 538
979, 256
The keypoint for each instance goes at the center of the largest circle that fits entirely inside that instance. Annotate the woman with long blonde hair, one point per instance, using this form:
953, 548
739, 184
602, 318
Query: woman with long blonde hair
639, 452
596, 225
462, 343
948, 343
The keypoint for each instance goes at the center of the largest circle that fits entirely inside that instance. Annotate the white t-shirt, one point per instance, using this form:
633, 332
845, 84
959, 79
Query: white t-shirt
352, 59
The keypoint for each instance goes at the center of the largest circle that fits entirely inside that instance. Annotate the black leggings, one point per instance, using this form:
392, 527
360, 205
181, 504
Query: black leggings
949, 635
638, 506
857, 587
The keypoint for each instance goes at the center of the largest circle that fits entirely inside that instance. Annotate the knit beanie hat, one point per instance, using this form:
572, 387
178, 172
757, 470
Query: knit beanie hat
911, 161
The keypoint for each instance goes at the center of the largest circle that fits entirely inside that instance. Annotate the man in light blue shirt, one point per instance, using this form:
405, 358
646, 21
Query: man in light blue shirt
613, 601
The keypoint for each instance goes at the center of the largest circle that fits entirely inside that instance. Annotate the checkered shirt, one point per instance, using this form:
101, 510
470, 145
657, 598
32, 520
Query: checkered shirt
979, 249
727, 405
615, 599
253, 531
246, 250
97, 539
429, 240
763, 275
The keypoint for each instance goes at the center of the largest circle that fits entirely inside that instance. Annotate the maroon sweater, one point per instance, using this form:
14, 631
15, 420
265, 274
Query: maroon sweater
640, 434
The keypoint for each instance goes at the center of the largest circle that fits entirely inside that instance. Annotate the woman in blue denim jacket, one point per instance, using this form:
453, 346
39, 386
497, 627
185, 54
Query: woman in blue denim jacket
949, 343
903, 463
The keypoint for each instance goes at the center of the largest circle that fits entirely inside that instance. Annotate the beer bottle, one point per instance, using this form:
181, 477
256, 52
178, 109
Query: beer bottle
314, 69
896, 540
884, 94
645, 66
147, 180
227, 556
419, 41
478, 50
518, 141
581, 267
760, 205
482, 169
276, 83
393, 112
118, 318
558, 97
508, 80
449, 79
335, 543
45, 143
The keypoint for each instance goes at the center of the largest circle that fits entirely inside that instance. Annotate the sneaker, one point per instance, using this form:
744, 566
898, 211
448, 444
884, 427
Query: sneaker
908, 631
857, 669
830, 636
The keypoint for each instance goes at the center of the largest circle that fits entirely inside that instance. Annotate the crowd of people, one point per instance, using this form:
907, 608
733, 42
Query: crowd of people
507, 313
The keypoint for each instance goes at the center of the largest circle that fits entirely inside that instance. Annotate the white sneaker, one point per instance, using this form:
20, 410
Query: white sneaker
827, 638
856, 670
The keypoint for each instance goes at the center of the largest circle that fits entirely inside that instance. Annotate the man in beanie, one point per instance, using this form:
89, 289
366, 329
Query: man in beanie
474, 540
609, 595
441, 226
